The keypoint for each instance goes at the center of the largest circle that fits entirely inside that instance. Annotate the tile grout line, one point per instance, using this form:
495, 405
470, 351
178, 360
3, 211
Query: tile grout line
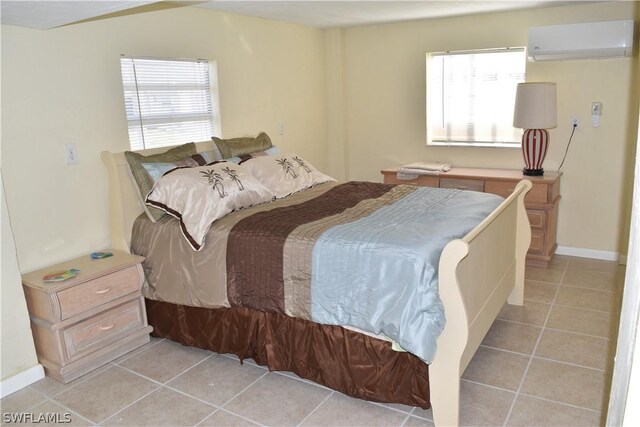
553, 329
520, 394
243, 390
577, 333
575, 307
127, 406
535, 347
282, 373
66, 408
302, 380
88, 376
168, 387
382, 405
484, 385
544, 358
423, 417
206, 416
315, 409
574, 286
239, 416
159, 386
170, 379
560, 403
406, 419
137, 351
576, 365
45, 397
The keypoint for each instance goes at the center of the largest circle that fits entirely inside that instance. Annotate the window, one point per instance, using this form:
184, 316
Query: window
470, 97
169, 102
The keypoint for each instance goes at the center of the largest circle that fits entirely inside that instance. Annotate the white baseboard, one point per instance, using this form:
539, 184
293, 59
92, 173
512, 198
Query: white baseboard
588, 253
21, 380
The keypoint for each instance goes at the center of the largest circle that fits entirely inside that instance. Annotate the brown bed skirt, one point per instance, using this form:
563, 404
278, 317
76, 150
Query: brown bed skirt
346, 361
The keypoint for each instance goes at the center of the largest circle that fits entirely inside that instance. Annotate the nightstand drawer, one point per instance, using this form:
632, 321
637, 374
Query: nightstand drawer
462, 184
103, 329
84, 297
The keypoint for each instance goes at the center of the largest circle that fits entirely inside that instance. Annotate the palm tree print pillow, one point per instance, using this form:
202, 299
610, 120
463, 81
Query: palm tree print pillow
198, 196
285, 174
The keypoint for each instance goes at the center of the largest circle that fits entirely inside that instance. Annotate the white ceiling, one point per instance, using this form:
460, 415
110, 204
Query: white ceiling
46, 14
326, 14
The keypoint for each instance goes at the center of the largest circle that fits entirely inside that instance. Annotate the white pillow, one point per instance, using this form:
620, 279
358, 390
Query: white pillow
285, 174
198, 196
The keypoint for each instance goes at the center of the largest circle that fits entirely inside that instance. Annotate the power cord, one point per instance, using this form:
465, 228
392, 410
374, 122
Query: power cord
568, 145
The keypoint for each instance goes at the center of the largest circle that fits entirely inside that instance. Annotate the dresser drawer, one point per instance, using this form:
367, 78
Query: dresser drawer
422, 180
103, 329
537, 242
537, 218
462, 184
537, 194
84, 297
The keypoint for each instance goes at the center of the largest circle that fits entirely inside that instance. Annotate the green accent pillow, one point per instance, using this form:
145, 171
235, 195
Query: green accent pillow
236, 147
143, 179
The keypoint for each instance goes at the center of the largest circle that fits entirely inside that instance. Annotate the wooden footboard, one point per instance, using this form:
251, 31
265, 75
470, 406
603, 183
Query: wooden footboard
478, 273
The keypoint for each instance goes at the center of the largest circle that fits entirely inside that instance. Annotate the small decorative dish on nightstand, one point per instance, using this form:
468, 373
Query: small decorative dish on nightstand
87, 320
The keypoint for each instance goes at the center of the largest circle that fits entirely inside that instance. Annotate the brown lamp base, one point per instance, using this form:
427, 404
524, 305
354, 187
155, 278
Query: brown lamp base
534, 150
532, 172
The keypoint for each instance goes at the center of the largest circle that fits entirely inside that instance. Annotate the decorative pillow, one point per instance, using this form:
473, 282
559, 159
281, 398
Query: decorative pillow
144, 182
285, 174
237, 147
198, 196
156, 170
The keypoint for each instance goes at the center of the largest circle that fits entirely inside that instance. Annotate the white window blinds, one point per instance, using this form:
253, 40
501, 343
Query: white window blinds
470, 97
169, 102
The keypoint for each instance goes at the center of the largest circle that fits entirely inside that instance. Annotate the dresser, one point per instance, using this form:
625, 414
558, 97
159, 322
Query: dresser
84, 322
541, 202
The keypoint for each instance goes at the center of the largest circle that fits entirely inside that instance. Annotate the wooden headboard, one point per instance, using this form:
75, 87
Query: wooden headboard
124, 203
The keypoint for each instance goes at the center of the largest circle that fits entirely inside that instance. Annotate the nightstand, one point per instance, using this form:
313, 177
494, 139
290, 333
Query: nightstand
86, 321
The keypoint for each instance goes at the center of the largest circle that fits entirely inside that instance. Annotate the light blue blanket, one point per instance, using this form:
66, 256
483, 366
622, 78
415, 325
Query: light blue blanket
380, 273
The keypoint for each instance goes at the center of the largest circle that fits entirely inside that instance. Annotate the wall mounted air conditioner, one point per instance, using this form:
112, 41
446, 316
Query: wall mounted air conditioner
608, 39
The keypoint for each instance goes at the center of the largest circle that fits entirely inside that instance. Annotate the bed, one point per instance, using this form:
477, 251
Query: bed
476, 273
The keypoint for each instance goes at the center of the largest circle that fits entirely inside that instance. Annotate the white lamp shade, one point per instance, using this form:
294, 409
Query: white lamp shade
535, 106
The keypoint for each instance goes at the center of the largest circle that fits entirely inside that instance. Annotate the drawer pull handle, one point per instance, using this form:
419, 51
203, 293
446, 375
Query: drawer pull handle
102, 291
106, 328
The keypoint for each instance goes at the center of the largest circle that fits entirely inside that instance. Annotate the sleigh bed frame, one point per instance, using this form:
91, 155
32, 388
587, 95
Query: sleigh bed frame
477, 274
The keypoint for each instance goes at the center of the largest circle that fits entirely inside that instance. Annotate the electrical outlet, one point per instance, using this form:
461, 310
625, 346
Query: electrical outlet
575, 122
71, 154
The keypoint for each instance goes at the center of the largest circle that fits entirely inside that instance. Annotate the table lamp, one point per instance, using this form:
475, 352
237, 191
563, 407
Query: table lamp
535, 112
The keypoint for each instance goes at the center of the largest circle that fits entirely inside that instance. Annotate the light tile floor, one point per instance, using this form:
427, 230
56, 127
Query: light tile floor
547, 363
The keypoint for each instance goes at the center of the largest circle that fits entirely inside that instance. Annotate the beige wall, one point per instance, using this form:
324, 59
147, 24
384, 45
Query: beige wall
385, 109
17, 352
63, 86
631, 153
